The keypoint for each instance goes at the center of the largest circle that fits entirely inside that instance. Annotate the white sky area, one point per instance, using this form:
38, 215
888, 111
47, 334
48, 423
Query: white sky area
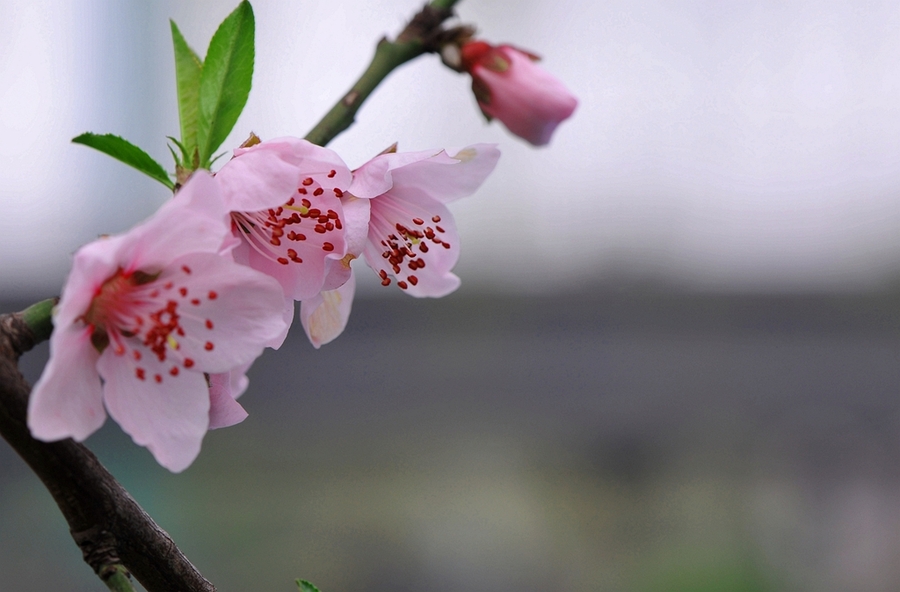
717, 145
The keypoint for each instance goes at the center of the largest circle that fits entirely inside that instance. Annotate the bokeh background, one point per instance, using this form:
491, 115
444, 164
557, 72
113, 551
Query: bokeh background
673, 361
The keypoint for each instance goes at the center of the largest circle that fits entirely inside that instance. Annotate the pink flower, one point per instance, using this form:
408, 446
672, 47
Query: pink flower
287, 217
511, 87
398, 221
143, 318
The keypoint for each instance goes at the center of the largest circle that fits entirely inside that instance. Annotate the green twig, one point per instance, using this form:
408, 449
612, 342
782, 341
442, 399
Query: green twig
38, 318
417, 38
117, 578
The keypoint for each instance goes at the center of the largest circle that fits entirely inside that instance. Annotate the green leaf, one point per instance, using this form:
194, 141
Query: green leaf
121, 149
188, 67
225, 80
305, 586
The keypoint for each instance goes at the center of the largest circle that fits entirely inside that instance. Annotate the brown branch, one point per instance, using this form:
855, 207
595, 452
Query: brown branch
108, 525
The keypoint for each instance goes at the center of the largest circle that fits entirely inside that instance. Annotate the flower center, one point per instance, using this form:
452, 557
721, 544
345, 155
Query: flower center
298, 227
138, 313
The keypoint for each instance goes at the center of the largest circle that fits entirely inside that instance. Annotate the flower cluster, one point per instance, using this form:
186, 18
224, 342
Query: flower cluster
158, 326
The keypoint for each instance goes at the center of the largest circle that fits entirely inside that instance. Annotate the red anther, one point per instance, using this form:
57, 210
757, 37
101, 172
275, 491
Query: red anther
386, 282
327, 247
439, 229
209, 324
195, 301
413, 280
445, 245
418, 221
402, 284
208, 346
423, 247
183, 291
302, 190
332, 214
315, 213
136, 355
188, 363
338, 192
290, 202
305, 203
139, 372
308, 181
320, 229
282, 260
212, 295
185, 269
275, 241
174, 371
318, 192
323, 220
332, 173
157, 378
329, 226
337, 224
435, 219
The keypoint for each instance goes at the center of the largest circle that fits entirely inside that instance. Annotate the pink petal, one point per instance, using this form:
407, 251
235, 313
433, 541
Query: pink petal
67, 400
376, 176
170, 417
195, 220
421, 265
228, 312
268, 174
93, 264
297, 281
259, 178
446, 178
356, 223
324, 316
287, 317
224, 388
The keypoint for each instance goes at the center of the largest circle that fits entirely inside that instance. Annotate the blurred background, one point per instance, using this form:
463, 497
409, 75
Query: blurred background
688, 381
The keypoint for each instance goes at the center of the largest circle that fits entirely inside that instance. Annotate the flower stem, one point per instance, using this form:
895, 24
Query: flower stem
37, 318
117, 579
412, 42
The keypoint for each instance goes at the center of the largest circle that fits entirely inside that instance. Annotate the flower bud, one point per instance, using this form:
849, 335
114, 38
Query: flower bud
511, 87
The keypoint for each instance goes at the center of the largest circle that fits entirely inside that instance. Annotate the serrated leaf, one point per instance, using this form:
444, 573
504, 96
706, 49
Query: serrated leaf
188, 67
305, 586
123, 150
225, 79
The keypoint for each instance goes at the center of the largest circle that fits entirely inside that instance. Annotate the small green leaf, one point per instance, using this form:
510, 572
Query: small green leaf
188, 67
121, 149
305, 586
225, 80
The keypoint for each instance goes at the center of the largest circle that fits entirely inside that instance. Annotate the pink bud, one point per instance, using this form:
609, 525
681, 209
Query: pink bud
511, 87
